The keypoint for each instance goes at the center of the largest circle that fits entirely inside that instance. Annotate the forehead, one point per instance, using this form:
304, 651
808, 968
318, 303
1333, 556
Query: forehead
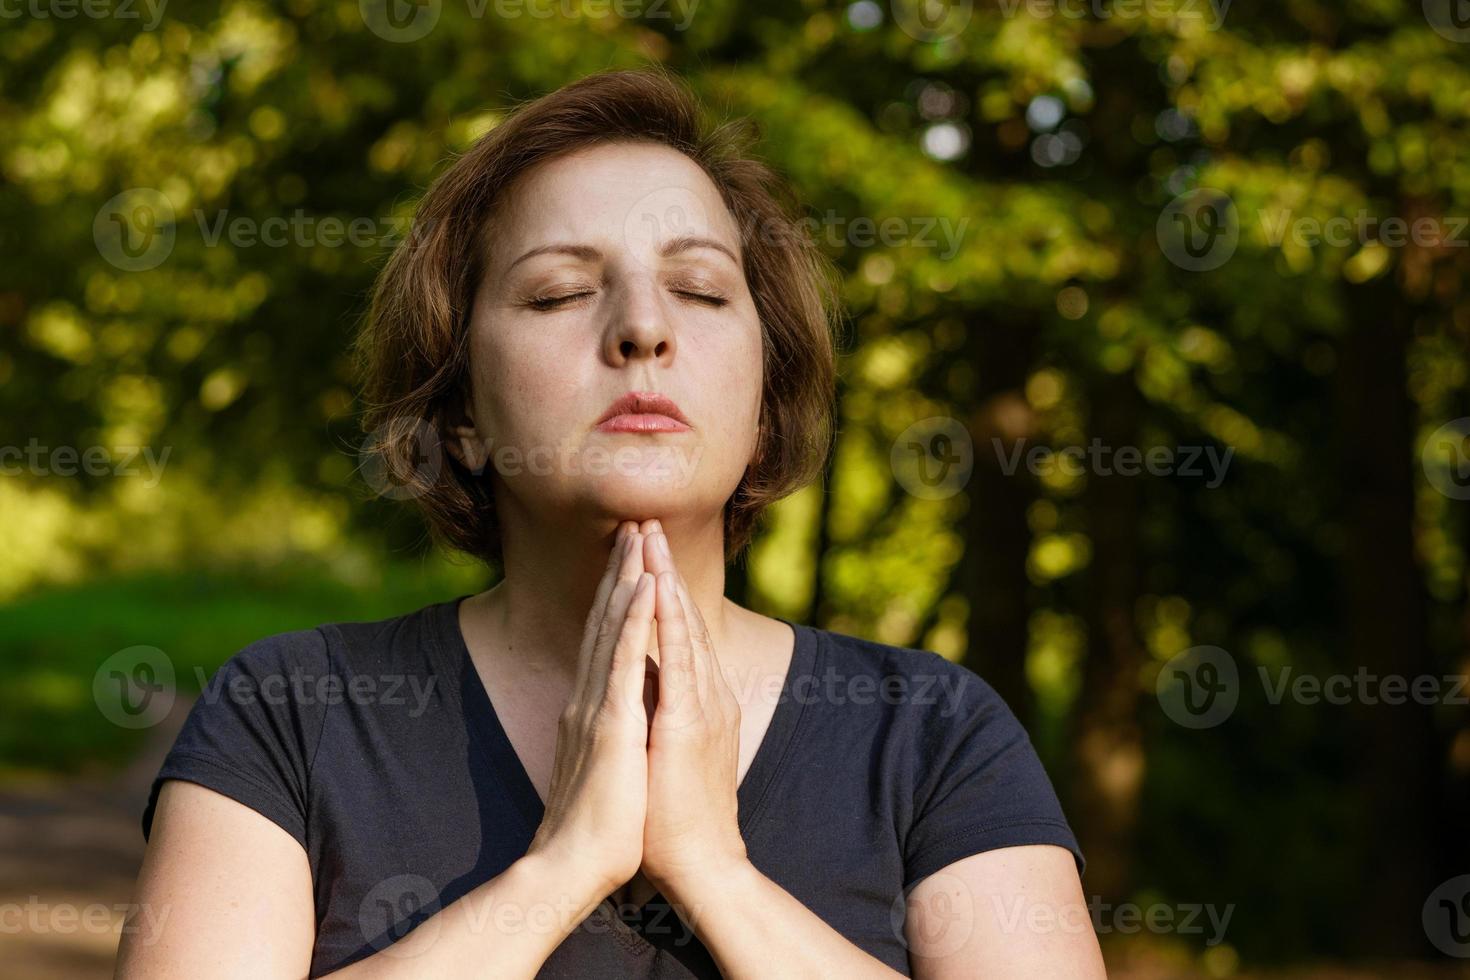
612, 196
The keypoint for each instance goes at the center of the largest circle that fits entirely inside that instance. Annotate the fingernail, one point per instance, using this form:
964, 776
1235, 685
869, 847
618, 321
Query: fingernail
663, 544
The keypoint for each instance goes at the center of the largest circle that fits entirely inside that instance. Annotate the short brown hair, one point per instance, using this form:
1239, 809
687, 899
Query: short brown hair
412, 353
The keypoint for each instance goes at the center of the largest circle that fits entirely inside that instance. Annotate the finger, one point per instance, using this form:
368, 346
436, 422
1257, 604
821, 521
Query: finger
612, 623
677, 691
660, 557
591, 629
615, 558
626, 671
706, 663
656, 559
657, 555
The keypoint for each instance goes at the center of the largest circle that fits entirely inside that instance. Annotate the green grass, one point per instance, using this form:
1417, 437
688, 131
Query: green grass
51, 644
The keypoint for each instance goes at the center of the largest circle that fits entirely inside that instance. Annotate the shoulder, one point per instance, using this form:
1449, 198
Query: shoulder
300, 672
313, 646
255, 730
280, 651
923, 685
403, 641
963, 774
428, 625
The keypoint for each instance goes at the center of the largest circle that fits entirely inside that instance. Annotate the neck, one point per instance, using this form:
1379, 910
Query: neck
539, 610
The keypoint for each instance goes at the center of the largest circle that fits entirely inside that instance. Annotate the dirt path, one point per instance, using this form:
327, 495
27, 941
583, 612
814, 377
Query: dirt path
69, 856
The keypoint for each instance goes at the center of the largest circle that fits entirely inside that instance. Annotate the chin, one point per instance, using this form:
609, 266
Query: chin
641, 497
635, 465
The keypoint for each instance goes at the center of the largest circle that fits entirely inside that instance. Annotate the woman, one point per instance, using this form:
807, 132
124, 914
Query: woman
601, 767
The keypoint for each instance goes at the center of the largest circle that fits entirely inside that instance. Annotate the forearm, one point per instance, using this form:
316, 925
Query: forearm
505, 928
753, 927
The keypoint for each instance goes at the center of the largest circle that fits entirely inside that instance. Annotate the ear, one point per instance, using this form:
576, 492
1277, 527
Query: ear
463, 440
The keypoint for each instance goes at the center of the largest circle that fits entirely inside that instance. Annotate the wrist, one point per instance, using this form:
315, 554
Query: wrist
564, 876
709, 884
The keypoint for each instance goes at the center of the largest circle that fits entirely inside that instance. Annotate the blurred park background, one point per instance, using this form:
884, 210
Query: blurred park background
1217, 250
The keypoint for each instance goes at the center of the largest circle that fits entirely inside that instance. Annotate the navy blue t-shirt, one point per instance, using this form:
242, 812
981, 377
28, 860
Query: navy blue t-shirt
376, 746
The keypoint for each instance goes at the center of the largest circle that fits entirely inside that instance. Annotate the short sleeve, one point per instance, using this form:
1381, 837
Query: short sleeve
983, 785
253, 732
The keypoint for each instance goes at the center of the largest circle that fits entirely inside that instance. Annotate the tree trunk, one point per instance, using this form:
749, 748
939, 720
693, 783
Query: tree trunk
1107, 755
997, 536
816, 611
1398, 789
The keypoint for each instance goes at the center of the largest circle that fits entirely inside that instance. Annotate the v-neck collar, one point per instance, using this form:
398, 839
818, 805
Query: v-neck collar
480, 715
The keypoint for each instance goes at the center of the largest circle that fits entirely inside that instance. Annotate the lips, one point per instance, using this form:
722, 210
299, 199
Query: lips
643, 411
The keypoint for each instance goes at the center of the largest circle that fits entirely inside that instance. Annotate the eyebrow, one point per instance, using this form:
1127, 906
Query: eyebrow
685, 242
588, 253
584, 252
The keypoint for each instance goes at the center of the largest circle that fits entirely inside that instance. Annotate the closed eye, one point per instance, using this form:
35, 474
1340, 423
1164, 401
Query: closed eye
552, 302
709, 299
697, 289
545, 303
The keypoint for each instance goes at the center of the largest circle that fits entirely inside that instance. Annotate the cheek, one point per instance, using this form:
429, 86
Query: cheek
752, 357
522, 390
732, 383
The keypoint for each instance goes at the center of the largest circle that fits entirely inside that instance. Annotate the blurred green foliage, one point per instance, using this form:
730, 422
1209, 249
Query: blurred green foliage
55, 640
1054, 147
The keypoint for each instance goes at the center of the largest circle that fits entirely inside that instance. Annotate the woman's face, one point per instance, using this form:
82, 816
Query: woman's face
611, 270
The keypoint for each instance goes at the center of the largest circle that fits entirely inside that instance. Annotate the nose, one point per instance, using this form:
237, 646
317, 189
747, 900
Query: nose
640, 325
